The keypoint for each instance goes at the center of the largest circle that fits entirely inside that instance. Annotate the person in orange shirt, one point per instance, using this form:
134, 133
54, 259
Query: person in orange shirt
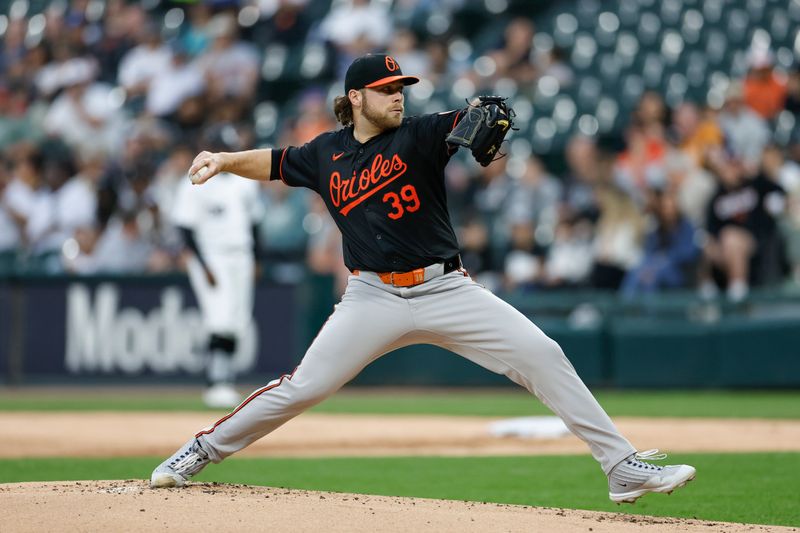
696, 132
764, 89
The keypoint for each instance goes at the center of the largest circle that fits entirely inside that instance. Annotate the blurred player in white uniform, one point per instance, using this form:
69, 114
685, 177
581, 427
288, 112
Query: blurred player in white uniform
218, 224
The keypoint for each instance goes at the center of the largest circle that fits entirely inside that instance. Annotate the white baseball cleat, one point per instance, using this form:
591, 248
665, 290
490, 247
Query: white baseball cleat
221, 396
633, 478
190, 459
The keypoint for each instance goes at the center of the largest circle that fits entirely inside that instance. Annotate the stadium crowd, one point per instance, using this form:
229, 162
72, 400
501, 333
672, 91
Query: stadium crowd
104, 104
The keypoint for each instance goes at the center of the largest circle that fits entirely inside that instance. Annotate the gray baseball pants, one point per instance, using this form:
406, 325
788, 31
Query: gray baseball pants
450, 311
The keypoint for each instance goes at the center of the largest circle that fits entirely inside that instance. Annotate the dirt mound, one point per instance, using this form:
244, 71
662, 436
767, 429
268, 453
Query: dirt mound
130, 506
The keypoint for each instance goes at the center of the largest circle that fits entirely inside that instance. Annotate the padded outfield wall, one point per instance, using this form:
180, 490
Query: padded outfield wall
148, 329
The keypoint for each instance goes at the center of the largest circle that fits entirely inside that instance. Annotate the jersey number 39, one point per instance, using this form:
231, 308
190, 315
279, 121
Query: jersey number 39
407, 200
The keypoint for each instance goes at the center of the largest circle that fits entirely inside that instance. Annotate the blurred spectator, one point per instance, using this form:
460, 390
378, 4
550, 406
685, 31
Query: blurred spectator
490, 192
618, 238
77, 198
56, 214
473, 236
314, 118
651, 116
523, 260
26, 186
120, 25
168, 176
405, 50
324, 255
357, 27
534, 198
787, 174
640, 166
231, 69
570, 257
85, 115
282, 237
284, 21
553, 63
12, 48
581, 177
764, 89
695, 133
175, 90
142, 63
741, 223
122, 248
746, 133
441, 71
514, 58
196, 36
793, 92
670, 252
692, 184
20, 120
10, 239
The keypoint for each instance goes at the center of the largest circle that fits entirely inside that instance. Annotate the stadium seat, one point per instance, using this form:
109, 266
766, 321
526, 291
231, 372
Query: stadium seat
564, 30
692, 26
610, 67
627, 48
606, 29
653, 70
628, 11
712, 11
648, 29
275, 56
564, 113
778, 23
589, 90
715, 46
696, 69
672, 46
670, 13
737, 25
583, 51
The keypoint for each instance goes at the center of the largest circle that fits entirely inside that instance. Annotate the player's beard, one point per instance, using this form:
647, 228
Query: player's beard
382, 121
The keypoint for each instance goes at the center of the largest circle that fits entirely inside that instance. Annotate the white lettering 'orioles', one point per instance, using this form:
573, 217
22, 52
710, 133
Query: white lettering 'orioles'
357, 188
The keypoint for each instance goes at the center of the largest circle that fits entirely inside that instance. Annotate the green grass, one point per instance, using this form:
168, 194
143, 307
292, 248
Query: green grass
478, 402
753, 488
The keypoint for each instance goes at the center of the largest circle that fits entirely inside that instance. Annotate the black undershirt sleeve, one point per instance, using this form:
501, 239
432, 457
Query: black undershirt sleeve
191, 244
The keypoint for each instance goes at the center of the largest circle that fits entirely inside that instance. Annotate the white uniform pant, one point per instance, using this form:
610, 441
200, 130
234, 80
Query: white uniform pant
450, 311
226, 307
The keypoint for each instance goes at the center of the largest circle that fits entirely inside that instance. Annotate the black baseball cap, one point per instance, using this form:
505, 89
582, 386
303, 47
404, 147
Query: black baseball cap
374, 70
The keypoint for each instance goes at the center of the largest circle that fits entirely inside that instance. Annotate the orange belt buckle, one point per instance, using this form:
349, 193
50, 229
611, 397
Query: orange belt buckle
405, 279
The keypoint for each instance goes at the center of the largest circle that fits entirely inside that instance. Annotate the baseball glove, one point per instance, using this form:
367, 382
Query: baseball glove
483, 128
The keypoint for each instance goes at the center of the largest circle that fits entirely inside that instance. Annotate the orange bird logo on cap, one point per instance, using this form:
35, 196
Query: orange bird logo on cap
391, 64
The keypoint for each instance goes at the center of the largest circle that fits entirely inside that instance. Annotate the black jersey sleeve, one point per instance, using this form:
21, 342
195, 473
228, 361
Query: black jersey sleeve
431, 131
296, 166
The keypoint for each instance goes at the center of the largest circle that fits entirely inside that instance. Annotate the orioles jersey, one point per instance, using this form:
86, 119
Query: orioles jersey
387, 195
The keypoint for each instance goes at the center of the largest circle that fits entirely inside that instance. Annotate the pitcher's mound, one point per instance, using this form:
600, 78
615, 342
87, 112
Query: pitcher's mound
123, 506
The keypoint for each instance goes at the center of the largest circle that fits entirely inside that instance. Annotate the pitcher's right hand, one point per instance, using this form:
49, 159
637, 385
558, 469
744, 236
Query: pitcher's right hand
204, 167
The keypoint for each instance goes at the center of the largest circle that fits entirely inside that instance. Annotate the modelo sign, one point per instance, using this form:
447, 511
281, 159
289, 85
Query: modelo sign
103, 336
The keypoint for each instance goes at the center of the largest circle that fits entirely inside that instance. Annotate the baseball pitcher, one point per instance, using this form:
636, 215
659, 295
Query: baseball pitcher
382, 179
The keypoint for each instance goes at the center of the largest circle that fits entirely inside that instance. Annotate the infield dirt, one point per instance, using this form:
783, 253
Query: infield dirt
111, 434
